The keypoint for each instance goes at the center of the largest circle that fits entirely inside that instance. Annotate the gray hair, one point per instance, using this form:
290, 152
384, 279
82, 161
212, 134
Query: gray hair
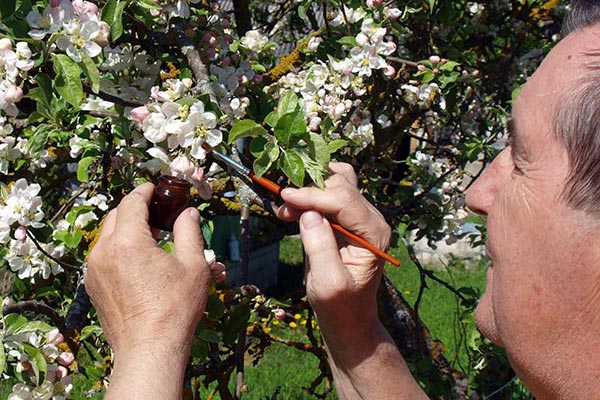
583, 14
577, 126
577, 121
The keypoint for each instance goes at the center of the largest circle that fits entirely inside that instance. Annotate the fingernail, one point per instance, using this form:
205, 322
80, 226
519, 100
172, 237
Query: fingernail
195, 214
311, 220
288, 192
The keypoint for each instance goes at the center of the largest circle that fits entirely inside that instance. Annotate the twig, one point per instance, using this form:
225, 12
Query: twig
40, 248
68, 203
109, 97
402, 61
194, 61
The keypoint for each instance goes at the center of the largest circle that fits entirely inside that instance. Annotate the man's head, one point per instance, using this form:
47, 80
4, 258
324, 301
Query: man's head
542, 198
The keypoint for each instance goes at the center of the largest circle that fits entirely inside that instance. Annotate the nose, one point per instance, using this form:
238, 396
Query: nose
482, 193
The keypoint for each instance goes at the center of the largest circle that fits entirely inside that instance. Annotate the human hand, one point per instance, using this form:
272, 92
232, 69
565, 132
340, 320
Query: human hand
143, 295
341, 277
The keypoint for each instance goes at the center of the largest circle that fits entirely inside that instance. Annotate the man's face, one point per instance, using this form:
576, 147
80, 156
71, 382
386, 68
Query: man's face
543, 284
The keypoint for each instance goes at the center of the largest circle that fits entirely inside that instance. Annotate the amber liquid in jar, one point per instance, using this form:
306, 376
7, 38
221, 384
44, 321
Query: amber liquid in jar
171, 197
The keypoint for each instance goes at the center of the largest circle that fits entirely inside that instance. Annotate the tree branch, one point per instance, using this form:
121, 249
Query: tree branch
109, 97
40, 248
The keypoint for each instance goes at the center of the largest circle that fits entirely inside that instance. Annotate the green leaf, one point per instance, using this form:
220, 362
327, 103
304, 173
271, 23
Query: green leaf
112, 14
266, 159
245, 128
82, 169
257, 146
448, 66
289, 125
7, 8
214, 307
90, 330
336, 144
287, 103
12, 322
91, 71
38, 362
34, 326
209, 336
169, 247
70, 239
293, 167
348, 41
76, 211
431, 5
425, 76
238, 320
38, 140
272, 118
319, 150
2, 355
199, 351
68, 80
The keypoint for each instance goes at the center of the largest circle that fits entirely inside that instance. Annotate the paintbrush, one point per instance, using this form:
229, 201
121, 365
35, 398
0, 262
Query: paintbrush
275, 188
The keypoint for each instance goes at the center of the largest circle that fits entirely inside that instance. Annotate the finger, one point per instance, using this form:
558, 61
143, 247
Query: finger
287, 213
320, 245
345, 205
188, 240
132, 215
346, 170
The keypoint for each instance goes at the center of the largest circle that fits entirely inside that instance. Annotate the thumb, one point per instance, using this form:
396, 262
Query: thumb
319, 242
188, 240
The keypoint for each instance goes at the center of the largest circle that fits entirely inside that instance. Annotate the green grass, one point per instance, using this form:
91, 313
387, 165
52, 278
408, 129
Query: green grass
290, 370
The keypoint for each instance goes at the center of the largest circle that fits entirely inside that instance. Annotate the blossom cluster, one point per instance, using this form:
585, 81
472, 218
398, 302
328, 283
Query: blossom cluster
20, 209
15, 62
328, 89
74, 25
24, 348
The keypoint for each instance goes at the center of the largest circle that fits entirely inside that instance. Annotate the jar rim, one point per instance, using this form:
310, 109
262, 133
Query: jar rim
173, 180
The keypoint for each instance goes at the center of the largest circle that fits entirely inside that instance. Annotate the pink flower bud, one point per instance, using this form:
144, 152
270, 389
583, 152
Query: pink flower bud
218, 271
84, 7
225, 23
257, 78
55, 337
421, 67
66, 358
476, 72
436, 70
5, 44
356, 120
243, 80
13, 94
389, 71
182, 166
434, 59
61, 372
212, 41
139, 114
20, 233
198, 175
279, 313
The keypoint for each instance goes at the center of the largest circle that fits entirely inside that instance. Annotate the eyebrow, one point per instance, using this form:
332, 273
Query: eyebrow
514, 139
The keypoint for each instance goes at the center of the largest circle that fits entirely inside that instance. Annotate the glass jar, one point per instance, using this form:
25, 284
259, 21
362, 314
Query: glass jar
171, 197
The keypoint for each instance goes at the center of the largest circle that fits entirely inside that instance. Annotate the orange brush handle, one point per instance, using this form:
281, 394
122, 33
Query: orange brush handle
275, 188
